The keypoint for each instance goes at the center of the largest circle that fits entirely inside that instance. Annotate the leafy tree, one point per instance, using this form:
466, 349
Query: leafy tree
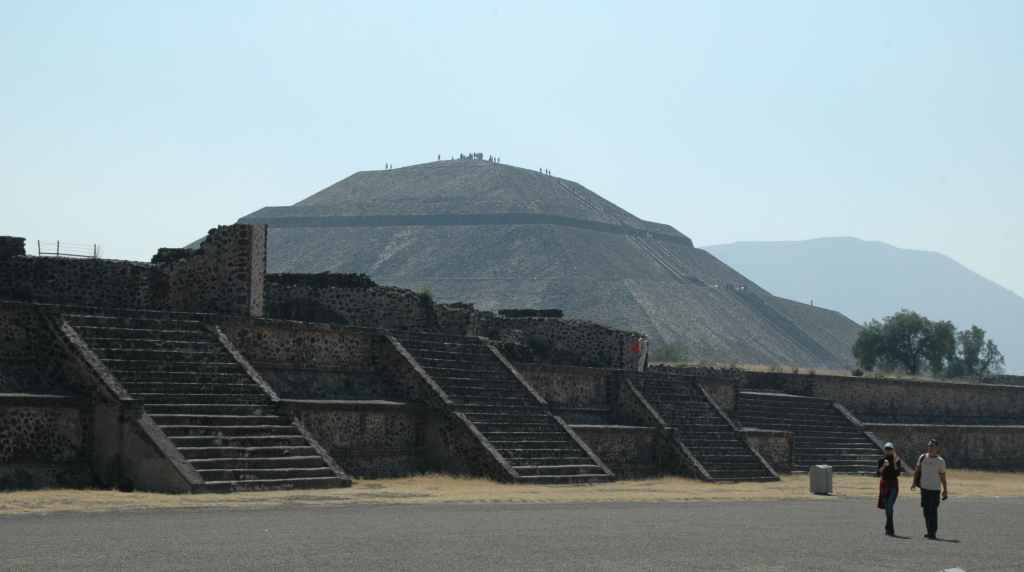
906, 340
868, 347
976, 356
941, 349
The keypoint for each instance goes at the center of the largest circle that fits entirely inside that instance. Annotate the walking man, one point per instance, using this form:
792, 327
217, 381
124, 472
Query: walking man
930, 476
890, 467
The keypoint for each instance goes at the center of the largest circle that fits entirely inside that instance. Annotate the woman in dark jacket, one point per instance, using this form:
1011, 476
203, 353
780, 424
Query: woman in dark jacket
889, 469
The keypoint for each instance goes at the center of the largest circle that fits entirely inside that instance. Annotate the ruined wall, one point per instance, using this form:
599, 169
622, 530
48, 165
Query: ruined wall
44, 442
963, 446
630, 452
368, 439
569, 387
312, 361
568, 342
28, 363
224, 276
373, 307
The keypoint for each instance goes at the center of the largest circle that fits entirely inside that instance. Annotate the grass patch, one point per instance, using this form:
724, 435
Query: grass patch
451, 489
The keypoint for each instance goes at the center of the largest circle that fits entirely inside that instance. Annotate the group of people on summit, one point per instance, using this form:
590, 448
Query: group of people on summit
929, 476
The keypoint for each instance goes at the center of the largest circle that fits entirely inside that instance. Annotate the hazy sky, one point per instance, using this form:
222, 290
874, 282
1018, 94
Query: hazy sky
137, 125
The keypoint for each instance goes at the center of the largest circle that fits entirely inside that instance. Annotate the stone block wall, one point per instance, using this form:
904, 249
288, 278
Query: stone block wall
963, 446
224, 276
373, 307
310, 360
44, 442
369, 439
569, 342
28, 363
898, 400
630, 452
80, 282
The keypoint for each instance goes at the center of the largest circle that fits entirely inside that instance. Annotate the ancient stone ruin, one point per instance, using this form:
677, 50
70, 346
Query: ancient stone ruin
198, 371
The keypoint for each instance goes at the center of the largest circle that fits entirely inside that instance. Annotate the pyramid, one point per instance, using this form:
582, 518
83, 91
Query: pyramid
501, 236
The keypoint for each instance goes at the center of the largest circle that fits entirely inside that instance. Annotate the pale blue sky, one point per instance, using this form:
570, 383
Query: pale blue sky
138, 125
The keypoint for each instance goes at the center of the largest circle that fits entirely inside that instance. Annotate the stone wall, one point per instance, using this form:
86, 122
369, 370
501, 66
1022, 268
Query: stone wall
11, 246
28, 363
630, 452
568, 342
44, 442
897, 400
963, 446
373, 307
368, 439
312, 361
775, 446
224, 276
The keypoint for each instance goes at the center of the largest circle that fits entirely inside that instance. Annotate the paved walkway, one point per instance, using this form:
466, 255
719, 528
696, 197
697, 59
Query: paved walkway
838, 534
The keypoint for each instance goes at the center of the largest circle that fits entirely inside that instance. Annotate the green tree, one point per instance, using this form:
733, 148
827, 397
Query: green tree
906, 338
941, 347
976, 355
868, 347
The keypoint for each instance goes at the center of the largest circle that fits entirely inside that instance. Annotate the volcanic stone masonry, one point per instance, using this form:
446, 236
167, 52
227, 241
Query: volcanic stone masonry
198, 371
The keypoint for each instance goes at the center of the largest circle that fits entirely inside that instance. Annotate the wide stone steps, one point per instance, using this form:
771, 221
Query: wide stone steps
217, 417
822, 435
508, 416
700, 427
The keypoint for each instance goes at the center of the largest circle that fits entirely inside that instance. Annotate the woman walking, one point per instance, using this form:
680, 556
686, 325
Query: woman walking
890, 467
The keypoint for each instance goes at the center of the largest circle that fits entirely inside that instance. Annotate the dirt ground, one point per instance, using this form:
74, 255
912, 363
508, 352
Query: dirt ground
448, 489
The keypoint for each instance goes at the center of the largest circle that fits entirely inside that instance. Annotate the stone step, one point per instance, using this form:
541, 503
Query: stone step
430, 336
184, 388
504, 390
489, 427
182, 377
544, 434
153, 344
273, 484
457, 381
92, 332
820, 419
277, 473
139, 322
127, 366
157, 409
203, 398
538, 460
179, 418
484, 410
565, 479
228, 430
243, 452
586, 469
492, 400
418, 345
468, 353
243, 463
563, 442
211, 354
242, 441
479, 364
468, 373
562, 453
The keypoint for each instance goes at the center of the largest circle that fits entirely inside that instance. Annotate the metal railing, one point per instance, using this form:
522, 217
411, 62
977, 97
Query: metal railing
67, 249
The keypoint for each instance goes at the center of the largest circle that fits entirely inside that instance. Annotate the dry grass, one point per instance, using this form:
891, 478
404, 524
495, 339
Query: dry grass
448, 489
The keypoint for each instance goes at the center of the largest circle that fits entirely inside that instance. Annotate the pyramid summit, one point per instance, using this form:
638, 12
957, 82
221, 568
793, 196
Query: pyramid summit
501, 236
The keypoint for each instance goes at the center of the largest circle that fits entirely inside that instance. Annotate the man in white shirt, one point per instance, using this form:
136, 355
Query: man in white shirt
930, 476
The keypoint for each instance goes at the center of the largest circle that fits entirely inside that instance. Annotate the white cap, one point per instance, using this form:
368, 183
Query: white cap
888, 446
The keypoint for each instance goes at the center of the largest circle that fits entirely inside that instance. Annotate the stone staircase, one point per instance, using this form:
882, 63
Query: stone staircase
217, 416
822, 435
515, 422
704, 430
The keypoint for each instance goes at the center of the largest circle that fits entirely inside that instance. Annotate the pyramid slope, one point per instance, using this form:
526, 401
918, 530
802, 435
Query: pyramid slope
630, 273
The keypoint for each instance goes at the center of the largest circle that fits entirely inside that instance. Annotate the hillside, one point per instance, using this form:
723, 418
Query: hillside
502, 236
866, 280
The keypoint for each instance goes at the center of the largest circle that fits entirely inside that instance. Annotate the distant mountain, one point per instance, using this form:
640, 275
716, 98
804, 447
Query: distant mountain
504, 237
866, 280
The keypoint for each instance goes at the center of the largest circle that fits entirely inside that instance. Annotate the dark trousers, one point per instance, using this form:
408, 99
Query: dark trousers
930, 504
890, 504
